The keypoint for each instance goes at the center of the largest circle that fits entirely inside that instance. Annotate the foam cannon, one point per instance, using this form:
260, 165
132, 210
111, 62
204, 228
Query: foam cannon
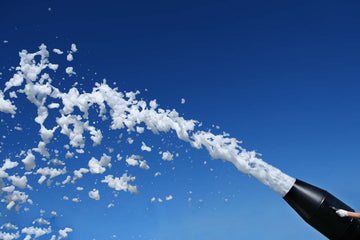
317, 207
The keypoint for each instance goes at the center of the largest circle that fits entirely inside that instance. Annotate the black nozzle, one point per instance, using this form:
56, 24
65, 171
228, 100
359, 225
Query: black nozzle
318, 208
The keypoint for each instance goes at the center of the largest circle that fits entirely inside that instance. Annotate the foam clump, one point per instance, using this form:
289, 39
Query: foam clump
9, 236
6, 106
94, 194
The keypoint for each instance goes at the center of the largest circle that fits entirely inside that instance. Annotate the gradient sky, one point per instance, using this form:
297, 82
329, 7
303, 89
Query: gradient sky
282, 76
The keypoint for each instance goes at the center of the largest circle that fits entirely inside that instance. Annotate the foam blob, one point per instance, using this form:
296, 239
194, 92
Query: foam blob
94, 194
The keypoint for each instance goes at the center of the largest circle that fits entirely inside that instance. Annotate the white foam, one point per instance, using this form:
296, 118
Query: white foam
41, 221
63, 233
128, 112
73, 47
120, 184
9, 226
124, 111
57, 51
94, 194
144, 165
19, 182
29, 161
226, 148
5, 105
70, 71
98, 167
145, 148
69, 57
9, 236
37, 232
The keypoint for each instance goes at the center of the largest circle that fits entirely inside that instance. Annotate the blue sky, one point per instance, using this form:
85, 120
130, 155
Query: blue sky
283, 77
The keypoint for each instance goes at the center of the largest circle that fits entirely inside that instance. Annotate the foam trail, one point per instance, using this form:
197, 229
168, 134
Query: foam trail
33, 79
126, 112
225, 148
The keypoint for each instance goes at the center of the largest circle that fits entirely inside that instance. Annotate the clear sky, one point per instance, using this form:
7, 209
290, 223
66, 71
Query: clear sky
281, 76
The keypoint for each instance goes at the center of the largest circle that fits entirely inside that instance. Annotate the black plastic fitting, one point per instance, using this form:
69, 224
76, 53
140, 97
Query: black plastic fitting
318, 208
